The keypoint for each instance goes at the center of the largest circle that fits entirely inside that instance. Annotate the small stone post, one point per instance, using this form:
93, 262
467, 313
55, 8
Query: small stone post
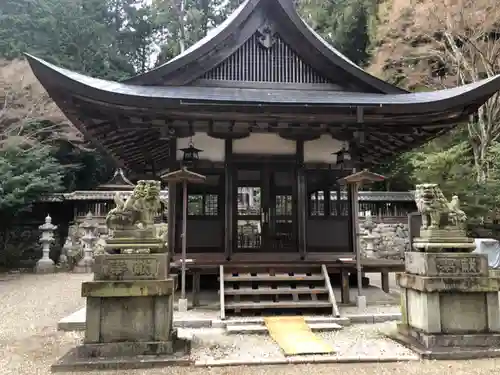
66, 249
89, 226
45, 264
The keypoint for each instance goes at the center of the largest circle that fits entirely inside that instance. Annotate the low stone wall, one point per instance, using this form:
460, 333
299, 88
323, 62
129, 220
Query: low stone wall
391, 240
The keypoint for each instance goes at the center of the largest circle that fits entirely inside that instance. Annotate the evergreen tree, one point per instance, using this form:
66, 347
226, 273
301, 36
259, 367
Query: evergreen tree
342, 23
109, 39
28, 172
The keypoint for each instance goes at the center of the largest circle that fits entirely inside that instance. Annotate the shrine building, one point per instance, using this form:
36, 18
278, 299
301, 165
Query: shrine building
279, 116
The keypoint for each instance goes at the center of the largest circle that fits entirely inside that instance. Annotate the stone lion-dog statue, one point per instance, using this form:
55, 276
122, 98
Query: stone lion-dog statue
138, 210
432, 205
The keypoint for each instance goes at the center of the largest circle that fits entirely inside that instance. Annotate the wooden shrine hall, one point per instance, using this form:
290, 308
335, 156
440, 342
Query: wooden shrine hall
278, 116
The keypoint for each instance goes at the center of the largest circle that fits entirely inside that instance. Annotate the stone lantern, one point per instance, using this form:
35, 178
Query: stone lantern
369, 238
89, 227
45, 264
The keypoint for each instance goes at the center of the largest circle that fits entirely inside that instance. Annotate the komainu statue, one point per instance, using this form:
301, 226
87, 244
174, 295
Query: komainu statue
433, 206
139, 210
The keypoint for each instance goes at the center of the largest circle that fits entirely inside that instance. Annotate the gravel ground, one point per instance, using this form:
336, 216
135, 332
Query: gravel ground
356, 340
31, 305
29, 343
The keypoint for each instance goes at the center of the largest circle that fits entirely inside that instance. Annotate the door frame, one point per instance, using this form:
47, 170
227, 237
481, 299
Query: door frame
268, 195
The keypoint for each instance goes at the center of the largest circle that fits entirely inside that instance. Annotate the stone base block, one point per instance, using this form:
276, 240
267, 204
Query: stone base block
446, 264
85, 265
430, 341
45, 266
82, 269
86, 357
135, 319
133, 348
402, 336
453, 313
448, 240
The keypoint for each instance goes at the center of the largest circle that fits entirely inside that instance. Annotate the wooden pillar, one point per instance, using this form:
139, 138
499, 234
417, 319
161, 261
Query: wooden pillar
326, 192
229, 200
338, 202
295, 208
301, 199
350, 217
172, 199
353, 195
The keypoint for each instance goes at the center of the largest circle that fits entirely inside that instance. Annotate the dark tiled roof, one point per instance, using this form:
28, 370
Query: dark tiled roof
117, 93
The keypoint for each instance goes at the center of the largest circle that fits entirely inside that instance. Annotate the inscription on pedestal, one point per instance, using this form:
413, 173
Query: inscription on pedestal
466, 266
115, 269
130, 267
449, 264
145, 268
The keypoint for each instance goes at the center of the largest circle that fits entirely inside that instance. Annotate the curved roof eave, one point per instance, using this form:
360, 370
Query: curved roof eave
155, 97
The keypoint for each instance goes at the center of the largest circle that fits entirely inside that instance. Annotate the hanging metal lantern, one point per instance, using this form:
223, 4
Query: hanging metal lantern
190, 155
343, 157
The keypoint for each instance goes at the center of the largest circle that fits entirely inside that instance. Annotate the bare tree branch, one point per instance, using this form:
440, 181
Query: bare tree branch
465, 39
23, 102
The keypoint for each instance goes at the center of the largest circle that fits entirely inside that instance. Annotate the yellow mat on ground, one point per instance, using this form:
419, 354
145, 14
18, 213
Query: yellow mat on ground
295, 337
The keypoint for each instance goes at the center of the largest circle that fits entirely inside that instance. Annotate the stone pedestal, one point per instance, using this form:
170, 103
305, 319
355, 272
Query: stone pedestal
449, 303
143, 241
449, 297
130, 306
130, 302
448, 240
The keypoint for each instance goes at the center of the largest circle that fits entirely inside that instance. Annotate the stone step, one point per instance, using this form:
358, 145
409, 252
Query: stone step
278, 305
274, 291
313, 319
261, 328
266, 277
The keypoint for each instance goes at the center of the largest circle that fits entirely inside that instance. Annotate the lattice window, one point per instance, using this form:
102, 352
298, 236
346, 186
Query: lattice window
211, 205
203, 205
338, 207
284, 205
317, 203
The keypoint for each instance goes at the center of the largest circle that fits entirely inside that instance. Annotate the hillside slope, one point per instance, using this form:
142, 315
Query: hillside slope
23, 99
411, 45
